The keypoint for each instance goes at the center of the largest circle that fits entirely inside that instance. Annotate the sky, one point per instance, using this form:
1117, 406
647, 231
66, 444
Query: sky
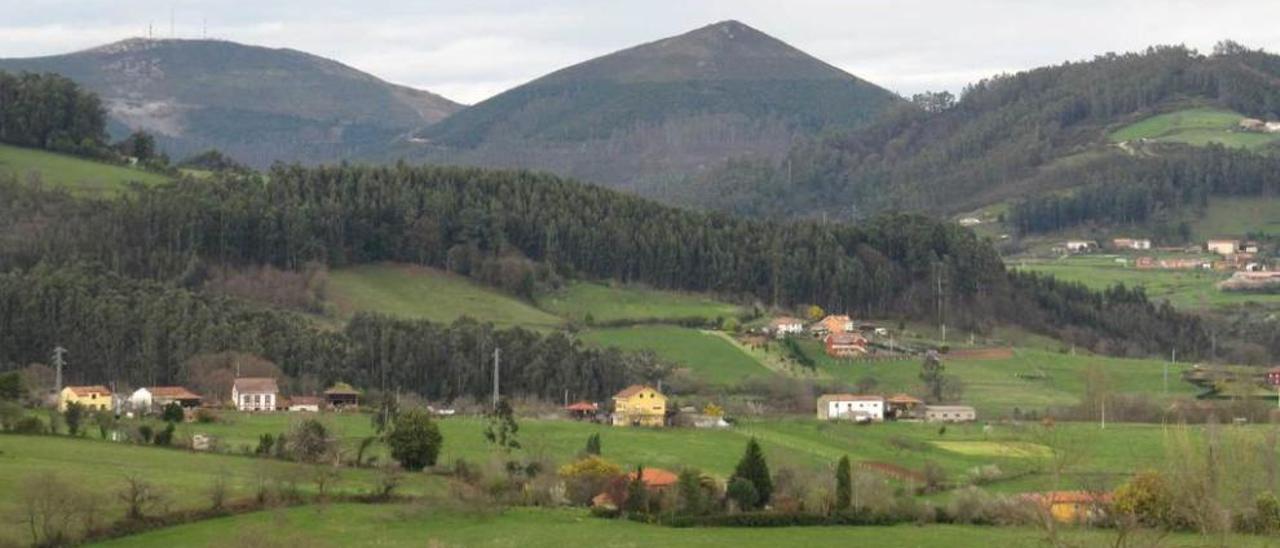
468, 50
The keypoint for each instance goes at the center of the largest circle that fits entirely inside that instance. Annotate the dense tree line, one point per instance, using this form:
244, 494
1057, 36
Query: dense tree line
138, 333
940, 155
51, 112
1133, 189
516, 229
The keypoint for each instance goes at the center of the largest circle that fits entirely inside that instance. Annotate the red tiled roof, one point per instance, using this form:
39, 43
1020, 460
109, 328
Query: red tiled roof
83, 391
342, 389
903, 398
582, 406
256, 384
785, 320
172, 392
851, 397
632, 390
656, 477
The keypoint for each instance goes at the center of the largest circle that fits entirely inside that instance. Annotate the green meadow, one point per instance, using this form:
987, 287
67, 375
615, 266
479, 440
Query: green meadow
611, 303
77, 175
1189, 289
424, 525
708, 356
1195, 126
426, 293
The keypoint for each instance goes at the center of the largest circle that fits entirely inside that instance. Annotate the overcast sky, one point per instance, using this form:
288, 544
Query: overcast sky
468, 50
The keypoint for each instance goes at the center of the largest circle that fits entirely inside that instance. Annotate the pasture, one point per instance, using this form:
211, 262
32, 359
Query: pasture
1188, 289
418, 292
606, 303
706, 355
1194, 126
422, 525
79, 176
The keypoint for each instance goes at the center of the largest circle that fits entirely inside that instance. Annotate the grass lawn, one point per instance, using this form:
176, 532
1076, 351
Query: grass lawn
1195, 126
420, 292
1189, 289
1032, 379
610, 303
408, 525
1237, 217
80, 176
183, 476
707, 355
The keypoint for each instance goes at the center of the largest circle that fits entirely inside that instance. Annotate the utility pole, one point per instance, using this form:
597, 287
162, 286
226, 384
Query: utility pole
1104, 412
497, 353
58, 362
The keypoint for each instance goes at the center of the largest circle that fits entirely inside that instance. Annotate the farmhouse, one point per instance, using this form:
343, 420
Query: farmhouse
255, 394
845, 345
342, 396
639, 405
1071, 506
582, 410
786, 325
949, 413
1131, 243
1079, 246
834, 324
655, 480
148, 399
95, 397
902, 406
305, 403
1222, 246
855, 407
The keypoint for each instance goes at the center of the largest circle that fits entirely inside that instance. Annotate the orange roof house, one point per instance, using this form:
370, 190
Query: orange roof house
836, 324
639, 405
654, 479
94, 397
1071, 506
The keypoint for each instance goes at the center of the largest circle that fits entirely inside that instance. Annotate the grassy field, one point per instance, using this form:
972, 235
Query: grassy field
1196, 126
182, 476
421, 292
609, 303
1032, 379
706, 355
1189, 289
80, 176
392, 526
1237, 217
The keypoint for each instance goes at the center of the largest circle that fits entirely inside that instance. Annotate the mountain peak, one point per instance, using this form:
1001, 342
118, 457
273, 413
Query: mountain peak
724, 51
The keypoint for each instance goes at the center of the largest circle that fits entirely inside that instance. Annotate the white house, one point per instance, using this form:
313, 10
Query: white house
1222, 247
851, 407
949, 413
255, 394
1131, 243
786, 325
1079, 246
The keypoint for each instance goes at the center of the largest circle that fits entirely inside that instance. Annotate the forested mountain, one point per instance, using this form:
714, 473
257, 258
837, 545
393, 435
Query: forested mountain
1004, 138
511, 229
658, 111
256, 104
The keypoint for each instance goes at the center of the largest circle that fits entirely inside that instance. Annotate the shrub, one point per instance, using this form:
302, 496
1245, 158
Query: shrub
165, 437
415, 440
206, 416
844, 484
145, 433
172, 413
74, 416
743, 493
265, 442
1148, 498
29, 425
587, 477
309, 441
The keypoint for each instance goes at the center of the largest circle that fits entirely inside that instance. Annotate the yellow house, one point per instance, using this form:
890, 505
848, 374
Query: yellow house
1072, 506
639, 405
93, 398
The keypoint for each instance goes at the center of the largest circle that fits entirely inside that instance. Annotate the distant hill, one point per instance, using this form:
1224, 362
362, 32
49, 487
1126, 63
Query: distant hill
659, 111
1011, 137
257, 104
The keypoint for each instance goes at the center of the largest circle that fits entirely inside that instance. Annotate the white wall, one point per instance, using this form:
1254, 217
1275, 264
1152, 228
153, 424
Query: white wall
841, 408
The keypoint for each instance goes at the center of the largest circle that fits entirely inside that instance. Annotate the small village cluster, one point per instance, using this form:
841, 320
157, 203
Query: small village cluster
641, 405
1234, 255
841, 336
247, 394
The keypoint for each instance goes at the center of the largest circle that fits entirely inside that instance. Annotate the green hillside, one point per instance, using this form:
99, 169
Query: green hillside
1189, 289
78, 175
1238, 217
397, 526
707, 356
607, 303
1195, 126
420, 292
